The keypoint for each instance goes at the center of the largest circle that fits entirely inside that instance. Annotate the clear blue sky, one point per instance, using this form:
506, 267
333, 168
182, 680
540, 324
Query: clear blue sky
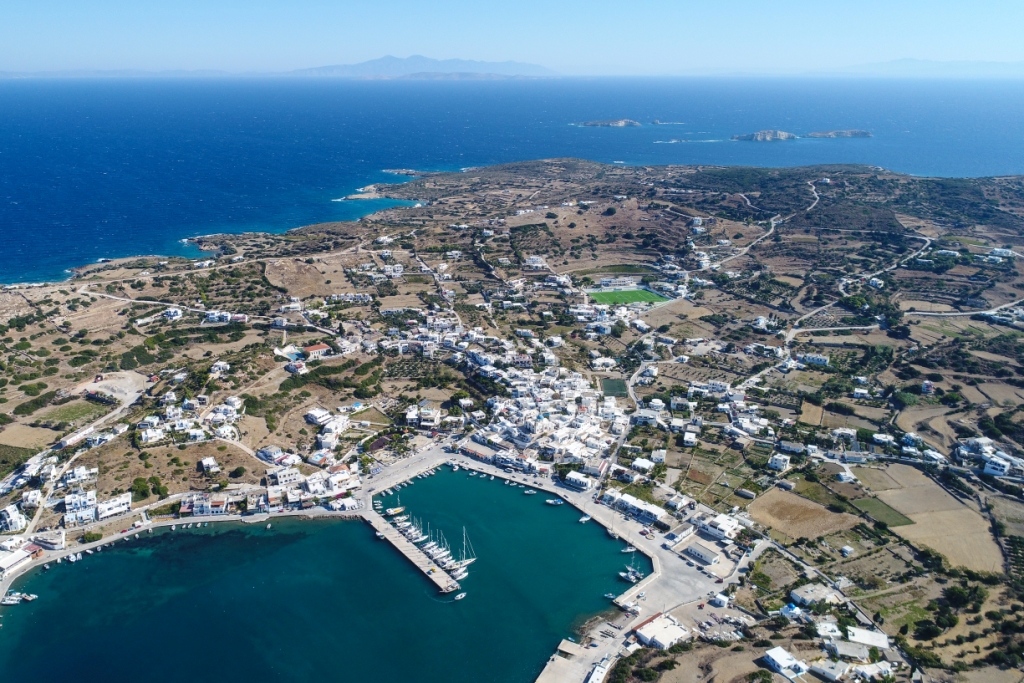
654, 37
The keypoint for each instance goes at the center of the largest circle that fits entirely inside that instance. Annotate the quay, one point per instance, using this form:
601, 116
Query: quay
441, 579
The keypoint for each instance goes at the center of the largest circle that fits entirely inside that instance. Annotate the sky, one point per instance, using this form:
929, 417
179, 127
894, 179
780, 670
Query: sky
573, 37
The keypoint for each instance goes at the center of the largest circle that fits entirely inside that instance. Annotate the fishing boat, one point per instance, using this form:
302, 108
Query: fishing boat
631, 575
460, 596
455, 468
585, 518
11, 599
629, 549
554, 501
88, 552
472, 474
529, 492
29, 597
390, 512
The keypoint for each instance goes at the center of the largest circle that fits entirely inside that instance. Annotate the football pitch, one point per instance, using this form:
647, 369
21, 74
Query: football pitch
625, 297
614, 387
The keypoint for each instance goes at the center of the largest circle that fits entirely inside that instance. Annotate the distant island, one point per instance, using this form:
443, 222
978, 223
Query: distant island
611, 123
774, 135
840, 134
766, 136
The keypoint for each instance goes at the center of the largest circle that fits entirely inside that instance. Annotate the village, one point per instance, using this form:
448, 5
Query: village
798, 476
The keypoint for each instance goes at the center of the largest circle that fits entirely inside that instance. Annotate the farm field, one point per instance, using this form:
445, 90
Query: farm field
941, 522
797, 517
628, 296
882, 512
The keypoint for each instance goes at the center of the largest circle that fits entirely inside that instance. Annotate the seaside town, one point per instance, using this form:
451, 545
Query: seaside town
802, 427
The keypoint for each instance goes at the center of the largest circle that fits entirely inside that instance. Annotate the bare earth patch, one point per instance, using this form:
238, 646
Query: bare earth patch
941, 522
24, 436
797, 517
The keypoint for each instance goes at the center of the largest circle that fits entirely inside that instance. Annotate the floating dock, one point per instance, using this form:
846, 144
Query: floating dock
426, 565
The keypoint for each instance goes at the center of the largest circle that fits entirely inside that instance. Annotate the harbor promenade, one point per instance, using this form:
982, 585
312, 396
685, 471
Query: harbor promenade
444, 583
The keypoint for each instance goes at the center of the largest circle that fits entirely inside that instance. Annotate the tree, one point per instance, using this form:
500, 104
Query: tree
237, 472
140, 489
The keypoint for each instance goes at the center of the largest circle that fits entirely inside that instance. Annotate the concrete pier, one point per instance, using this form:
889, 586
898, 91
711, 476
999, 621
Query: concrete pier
443, 582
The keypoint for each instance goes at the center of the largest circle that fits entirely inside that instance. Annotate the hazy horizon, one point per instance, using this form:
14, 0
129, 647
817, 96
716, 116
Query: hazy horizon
659, 38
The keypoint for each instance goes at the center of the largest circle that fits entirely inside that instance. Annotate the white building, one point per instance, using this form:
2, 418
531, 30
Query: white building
661, 631
706, 553
719, 527
117, 505
12, 520
779, 462
779, 660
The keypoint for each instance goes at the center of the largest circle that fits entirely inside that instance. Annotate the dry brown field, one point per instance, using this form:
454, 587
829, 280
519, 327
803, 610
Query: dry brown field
23, 436
927, 306
796, 516
1001, 394
941, 522
875, 479
810, 414
1010, 512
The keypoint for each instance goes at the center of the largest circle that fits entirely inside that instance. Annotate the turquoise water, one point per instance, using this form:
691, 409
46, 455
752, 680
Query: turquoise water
314, 599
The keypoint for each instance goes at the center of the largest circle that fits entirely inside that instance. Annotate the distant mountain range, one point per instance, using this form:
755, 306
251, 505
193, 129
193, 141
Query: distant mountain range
416, 67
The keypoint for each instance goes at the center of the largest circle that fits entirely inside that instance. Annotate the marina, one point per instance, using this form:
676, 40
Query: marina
557, 569
414, 554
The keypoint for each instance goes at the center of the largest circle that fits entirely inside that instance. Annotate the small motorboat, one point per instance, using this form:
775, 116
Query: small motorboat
628, 549
380, 535
460, 596
585, 518
268, 525
529, 492
610, 596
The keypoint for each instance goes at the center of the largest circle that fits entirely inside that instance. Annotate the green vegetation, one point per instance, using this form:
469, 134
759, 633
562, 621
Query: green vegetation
881, 512
614, 387
29, 407
626, 297
12, 457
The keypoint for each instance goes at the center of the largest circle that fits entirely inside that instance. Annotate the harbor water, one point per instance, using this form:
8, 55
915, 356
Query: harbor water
310, 599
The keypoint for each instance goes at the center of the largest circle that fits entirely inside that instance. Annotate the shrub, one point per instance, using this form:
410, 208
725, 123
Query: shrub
91, 537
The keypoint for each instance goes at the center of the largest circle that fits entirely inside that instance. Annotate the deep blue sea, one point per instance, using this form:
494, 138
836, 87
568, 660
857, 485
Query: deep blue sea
107, 168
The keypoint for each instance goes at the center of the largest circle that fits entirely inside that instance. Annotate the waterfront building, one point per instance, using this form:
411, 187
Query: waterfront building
661, 631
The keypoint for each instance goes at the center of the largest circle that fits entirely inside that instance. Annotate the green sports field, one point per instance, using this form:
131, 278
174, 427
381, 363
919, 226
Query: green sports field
625, 297
614, 387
